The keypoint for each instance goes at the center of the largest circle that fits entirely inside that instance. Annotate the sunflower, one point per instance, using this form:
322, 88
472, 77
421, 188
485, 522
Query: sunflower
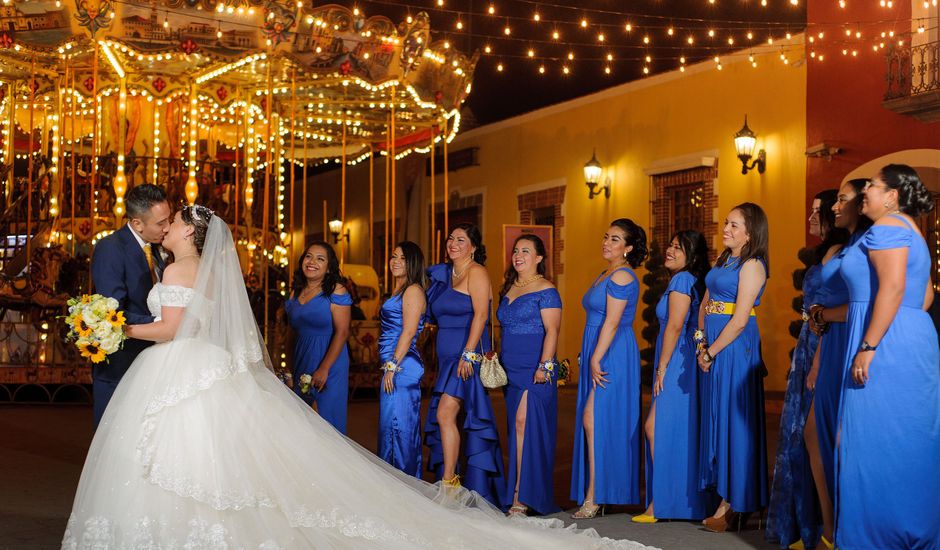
80, 327
92, 351
116, 318
86, 298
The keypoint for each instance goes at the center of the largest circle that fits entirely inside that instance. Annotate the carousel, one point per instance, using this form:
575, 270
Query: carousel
231, 105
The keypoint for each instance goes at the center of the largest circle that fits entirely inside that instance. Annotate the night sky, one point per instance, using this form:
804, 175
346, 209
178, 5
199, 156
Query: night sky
520, 87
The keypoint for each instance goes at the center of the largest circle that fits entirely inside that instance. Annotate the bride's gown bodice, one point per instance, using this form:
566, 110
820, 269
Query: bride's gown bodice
168, 295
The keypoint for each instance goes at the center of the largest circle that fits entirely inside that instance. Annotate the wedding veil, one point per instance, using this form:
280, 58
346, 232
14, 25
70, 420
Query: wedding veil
220, 313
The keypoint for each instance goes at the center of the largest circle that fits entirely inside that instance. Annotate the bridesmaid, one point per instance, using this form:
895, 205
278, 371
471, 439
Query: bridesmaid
888, 480
459, 297
607, 454
672, 423
319, 311
530, 316
402, 318
827, 318
734, 450
793, 513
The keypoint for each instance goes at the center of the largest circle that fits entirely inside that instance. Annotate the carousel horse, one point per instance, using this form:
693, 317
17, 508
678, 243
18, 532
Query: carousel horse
37, 285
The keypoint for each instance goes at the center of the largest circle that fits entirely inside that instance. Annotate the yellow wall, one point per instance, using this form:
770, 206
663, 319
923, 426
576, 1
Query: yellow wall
632, 127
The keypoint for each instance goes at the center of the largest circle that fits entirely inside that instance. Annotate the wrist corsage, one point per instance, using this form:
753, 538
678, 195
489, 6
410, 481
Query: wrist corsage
471, 356
391, 365
548, 367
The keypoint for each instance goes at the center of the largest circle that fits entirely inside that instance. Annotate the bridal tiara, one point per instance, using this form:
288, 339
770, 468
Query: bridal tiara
199, 212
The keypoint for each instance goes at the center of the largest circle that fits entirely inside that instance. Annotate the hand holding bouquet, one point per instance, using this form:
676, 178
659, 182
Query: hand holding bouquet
95, 325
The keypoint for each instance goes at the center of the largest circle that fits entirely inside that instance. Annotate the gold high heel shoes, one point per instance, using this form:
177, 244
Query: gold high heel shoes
588, 510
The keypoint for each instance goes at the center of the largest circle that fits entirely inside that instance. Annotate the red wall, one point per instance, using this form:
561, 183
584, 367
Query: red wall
844, 93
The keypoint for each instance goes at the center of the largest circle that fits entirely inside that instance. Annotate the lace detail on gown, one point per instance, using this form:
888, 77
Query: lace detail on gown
168, 295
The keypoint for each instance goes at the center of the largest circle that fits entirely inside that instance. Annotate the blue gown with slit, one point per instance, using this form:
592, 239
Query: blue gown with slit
617, 449
734, 435
400, 411
481, 463
520, 352
888, 460
793, 513
828, 392
672, 468
313, 322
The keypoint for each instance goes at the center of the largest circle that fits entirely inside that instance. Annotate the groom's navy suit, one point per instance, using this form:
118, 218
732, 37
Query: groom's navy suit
119, 270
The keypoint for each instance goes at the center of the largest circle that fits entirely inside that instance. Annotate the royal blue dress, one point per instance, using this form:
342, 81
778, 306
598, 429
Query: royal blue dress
888, 469
617, 450
672, 474
793, 513
400, 411
734, 437
828, 392
520, 353
313, 323
482, 467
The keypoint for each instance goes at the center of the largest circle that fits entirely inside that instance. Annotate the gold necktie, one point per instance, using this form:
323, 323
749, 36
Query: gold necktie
148, 253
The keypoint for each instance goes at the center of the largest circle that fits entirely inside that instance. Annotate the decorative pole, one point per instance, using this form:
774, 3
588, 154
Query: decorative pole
371, 206
446, 182
342, 196
293, 165
434, 251
303, 214
29, 161
74, 173
269, 159
392, 157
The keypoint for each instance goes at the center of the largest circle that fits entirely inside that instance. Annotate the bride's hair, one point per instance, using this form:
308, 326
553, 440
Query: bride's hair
199, 217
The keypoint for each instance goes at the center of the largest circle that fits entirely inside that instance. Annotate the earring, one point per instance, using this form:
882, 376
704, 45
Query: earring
624, 255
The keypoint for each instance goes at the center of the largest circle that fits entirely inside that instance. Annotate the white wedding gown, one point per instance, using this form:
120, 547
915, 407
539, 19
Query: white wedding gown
200, 448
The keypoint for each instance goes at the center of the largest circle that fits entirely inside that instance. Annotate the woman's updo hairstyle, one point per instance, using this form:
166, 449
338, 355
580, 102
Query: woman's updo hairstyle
635, 237
198, 217
914, 199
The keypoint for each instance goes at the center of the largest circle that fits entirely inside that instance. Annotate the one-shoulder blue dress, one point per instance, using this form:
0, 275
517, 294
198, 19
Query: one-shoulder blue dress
482, 461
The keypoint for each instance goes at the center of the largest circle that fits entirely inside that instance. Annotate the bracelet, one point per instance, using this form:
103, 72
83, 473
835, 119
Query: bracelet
815, 312
471, 356
391, 365
700, 347
548, 367
661, 371
706, 356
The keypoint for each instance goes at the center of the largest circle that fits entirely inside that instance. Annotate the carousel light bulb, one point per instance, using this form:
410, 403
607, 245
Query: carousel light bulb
555, 35
536, 17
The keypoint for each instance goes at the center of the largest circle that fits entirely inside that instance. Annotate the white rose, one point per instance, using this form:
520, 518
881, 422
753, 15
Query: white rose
102, 330
112, 303
111, 343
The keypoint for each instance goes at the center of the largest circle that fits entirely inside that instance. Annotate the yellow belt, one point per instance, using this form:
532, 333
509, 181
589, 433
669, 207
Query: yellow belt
713, 307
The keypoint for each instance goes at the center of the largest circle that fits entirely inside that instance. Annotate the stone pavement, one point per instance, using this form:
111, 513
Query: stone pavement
42, 450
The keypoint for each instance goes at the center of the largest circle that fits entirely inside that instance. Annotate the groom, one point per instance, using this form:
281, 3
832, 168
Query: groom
125, 266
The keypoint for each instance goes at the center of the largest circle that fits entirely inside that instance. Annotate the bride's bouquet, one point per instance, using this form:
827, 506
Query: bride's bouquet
95, 325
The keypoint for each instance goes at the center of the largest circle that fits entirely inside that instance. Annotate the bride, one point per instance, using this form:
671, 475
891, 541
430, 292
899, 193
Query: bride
203, 447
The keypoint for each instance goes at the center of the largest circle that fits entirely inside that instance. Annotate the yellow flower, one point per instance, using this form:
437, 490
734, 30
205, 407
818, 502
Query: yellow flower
87, 298
80, 327
92, 351
116, 318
